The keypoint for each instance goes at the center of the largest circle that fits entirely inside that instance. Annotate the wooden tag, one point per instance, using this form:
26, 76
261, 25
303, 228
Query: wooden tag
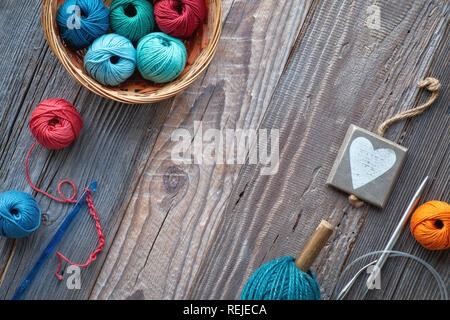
367, 166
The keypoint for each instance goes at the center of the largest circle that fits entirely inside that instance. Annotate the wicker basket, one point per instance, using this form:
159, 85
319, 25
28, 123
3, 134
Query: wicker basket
200, 48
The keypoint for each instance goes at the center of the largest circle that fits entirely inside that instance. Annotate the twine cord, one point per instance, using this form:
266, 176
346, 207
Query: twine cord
431, 84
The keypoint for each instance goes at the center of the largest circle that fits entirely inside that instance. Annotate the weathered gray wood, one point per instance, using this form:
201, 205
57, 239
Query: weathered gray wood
113, 146
340, 72
199, 231
429, 140
176, 208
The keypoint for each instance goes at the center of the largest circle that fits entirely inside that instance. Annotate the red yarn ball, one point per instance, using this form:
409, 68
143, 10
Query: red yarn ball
55, 123
179, 18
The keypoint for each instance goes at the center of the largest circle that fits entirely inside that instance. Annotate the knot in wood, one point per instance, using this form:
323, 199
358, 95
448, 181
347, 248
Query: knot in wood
174, 179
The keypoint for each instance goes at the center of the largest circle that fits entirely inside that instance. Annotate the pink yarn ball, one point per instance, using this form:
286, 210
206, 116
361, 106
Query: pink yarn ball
55, 123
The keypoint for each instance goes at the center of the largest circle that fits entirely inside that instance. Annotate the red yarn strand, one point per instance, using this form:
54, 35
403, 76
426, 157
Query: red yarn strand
64, 198
56, 123
101, 239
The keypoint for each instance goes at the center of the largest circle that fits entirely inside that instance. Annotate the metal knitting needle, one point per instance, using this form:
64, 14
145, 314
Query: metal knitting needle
379, 263
53, 242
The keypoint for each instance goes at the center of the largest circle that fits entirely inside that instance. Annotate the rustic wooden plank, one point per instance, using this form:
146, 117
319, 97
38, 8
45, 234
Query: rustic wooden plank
428, 140
113, 147
176, 208
340, 72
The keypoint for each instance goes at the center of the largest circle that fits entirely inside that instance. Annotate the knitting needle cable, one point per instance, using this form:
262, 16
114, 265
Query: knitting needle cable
53, 242
392, 253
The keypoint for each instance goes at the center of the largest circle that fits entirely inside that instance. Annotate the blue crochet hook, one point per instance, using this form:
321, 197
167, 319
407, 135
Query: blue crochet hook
53, 242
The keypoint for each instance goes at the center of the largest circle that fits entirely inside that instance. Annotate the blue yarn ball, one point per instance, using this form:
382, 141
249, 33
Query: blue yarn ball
280, 279
82, 21
132, 18
19, 214
111, 59
160, 57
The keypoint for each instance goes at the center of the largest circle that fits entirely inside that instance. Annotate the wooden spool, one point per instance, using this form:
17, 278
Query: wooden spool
201, 49
312, 248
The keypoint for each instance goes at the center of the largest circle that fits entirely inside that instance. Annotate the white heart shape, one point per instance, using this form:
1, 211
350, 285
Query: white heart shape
367, 164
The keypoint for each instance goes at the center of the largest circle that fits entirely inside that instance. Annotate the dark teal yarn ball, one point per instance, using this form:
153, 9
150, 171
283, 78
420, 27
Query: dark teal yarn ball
19, 214
82, 21
111, 59
132, 18
280, 279
160, 57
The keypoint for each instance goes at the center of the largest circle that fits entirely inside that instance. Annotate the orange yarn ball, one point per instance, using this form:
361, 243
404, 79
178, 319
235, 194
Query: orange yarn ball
430, 225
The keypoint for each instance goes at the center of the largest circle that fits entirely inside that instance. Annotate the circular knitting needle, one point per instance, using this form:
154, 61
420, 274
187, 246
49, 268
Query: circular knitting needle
379, 263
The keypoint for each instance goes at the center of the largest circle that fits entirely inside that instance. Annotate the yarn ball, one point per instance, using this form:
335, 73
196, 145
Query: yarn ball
280, 279
82, 21
160, 57
111, 59
132, 18
19, 214
179, 18
430, 225
55, 123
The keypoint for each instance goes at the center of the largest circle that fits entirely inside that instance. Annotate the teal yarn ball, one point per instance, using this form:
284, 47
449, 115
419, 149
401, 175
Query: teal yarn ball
160, 57
280, 279
82, 21
111, 59
19, 214
132, 18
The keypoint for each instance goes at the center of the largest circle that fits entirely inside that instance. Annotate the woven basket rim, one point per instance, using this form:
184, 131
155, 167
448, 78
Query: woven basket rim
165, 92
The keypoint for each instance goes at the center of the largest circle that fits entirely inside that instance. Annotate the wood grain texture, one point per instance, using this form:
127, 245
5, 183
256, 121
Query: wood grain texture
113, 146
428, 140
340, 72
176, 209
307, 68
